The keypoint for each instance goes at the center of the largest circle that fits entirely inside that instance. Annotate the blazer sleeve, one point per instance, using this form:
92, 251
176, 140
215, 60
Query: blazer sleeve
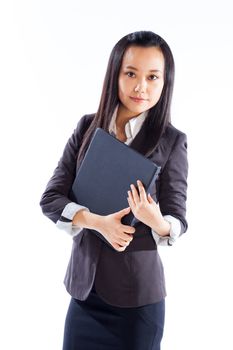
173, 182
55, 197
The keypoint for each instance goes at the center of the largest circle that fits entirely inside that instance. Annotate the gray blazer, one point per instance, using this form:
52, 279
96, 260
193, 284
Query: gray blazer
134, 277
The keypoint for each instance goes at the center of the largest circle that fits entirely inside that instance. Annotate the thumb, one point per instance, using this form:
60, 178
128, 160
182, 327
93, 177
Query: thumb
123, 211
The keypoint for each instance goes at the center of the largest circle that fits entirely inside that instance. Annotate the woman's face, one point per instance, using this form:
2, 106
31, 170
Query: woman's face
141, 75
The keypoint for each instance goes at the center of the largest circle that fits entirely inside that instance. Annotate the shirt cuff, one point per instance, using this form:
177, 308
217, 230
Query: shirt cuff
65, 220
174, 233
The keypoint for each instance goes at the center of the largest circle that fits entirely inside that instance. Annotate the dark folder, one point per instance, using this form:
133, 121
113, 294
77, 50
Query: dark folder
105, 175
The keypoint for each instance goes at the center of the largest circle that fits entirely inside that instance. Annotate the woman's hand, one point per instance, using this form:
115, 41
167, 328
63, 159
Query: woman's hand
117, 234
146, 210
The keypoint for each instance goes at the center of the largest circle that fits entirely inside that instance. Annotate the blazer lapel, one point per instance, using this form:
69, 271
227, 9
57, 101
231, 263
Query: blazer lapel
139, 142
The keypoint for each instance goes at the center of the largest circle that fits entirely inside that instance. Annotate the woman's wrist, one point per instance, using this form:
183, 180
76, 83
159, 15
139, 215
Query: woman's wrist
163, 228
85, 219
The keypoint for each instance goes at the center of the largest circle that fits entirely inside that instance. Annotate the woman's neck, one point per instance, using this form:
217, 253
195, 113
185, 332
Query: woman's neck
122, 118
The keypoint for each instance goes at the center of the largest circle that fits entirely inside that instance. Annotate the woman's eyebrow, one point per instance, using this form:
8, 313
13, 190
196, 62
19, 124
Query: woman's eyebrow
151, 70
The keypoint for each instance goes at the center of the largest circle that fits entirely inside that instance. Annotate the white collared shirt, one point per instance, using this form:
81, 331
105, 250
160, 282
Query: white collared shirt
132, 127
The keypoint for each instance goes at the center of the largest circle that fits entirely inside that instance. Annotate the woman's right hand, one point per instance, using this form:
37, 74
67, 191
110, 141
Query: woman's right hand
117, 234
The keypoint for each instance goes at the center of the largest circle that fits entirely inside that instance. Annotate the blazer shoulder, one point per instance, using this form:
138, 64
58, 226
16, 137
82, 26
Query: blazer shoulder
82, 125
173, 131
173, 136
86, 119
89, 117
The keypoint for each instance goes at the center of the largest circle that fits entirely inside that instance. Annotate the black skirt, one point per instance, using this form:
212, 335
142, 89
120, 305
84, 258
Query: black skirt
93, 324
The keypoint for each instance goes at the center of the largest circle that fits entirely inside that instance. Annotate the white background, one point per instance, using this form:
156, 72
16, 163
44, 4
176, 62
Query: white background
53, 60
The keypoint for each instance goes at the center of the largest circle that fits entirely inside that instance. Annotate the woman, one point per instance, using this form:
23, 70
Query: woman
118, 294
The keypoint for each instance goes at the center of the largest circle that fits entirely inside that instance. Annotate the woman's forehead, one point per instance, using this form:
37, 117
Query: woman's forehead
143, 58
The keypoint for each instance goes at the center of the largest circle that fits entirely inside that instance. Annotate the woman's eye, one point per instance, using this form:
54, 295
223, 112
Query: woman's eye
154, 77
128, 73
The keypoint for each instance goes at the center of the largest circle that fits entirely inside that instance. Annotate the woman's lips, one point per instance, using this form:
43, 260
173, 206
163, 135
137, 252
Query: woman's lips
135, 99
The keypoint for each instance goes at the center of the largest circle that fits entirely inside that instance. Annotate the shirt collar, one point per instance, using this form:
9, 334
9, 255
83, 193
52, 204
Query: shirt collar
132, 127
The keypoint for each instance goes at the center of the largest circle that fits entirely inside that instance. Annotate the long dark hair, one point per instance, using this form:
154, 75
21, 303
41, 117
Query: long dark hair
158, 116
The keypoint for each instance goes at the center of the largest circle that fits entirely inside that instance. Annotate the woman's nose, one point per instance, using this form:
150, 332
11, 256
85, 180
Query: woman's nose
140, 87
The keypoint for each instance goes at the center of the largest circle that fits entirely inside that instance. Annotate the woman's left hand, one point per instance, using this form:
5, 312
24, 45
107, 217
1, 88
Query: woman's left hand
144, 208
